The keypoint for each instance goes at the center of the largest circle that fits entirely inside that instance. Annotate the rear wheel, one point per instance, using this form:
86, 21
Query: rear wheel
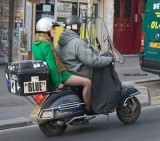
129, 113
53, 128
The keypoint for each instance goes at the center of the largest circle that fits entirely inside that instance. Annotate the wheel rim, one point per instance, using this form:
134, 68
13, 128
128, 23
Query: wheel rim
129, 110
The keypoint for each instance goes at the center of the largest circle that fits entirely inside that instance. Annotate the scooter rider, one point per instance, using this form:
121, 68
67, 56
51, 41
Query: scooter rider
42, 49
75, 53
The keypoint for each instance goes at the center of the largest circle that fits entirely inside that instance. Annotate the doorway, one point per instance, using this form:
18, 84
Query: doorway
127, 21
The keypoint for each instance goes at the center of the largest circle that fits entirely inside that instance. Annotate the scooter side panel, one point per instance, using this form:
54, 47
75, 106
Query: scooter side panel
64, 104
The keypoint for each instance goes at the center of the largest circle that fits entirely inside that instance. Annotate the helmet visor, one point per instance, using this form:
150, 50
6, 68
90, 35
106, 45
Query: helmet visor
55, 24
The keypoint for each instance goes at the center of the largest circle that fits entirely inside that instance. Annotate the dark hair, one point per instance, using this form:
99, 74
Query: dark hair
48, 32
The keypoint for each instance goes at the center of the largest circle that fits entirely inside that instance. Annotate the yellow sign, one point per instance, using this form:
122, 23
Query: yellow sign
155, 25
154, 45
158, 14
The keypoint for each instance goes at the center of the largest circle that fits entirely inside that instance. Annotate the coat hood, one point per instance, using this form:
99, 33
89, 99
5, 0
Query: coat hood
66, 36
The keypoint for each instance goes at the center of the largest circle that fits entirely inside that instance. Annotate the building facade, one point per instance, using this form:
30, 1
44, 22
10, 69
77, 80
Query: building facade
4, 30
17, 24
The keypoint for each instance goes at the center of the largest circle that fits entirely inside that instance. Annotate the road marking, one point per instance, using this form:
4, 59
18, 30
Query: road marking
156, 97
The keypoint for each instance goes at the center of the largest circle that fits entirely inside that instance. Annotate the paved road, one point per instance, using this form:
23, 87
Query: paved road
145, 129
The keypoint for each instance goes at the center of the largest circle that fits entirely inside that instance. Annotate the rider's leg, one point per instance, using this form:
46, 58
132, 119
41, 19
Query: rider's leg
75, 80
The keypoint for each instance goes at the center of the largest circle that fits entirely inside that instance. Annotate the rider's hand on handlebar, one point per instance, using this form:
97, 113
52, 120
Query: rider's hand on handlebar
113, 55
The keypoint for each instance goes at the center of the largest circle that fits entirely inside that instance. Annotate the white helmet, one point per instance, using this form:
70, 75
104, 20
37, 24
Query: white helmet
45, 24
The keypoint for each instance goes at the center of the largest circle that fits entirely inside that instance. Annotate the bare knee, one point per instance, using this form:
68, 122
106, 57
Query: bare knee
87, 82
78, 81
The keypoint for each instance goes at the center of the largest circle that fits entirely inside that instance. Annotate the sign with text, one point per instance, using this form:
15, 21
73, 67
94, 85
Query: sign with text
64, 9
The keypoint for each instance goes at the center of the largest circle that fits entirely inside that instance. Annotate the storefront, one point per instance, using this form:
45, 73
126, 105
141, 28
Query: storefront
15, 30
17, 35
25, 15
61, 9
22, 30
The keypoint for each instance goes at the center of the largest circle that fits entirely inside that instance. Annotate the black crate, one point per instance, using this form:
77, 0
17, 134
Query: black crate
27, 77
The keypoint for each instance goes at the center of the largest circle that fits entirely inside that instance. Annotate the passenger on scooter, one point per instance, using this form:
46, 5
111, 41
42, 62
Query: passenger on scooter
43, 49
75, 53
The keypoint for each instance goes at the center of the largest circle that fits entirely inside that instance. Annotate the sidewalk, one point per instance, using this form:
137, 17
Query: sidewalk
15, 110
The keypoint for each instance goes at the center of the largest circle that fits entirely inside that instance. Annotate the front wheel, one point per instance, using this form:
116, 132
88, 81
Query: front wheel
53, 128
129, 113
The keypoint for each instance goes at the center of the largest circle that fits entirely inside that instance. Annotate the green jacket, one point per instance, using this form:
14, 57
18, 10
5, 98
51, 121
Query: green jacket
42, 51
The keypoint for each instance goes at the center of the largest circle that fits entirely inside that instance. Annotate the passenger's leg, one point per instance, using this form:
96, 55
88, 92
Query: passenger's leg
75, 80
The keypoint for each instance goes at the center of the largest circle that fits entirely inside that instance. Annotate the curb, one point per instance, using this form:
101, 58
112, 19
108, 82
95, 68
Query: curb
14, 123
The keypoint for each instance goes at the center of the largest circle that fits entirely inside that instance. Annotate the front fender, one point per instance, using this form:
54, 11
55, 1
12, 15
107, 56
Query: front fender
127, 92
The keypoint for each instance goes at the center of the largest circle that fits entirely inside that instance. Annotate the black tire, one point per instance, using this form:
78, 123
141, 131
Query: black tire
53, 128
131, 112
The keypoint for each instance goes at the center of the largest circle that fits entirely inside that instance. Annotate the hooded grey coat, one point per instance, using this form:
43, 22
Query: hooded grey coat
77, 56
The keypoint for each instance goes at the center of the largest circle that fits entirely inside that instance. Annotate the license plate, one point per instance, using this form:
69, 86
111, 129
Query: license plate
154, 45
36, 111
34, 87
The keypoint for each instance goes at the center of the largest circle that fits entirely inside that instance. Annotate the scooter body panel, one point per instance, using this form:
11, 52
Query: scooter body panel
62, 105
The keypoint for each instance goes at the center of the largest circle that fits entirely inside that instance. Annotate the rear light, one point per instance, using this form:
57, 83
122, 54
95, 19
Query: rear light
142, 42
40, 98
140, 62
142, 49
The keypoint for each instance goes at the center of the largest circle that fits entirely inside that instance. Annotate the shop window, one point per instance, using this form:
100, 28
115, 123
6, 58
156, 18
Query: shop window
116, 8
128, 9
83, 7
44, 10
66, 9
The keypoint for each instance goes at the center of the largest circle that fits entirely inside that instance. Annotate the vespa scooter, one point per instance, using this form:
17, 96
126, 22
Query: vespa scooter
55, 110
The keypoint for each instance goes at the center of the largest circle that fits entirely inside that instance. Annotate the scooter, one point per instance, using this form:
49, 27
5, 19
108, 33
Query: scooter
57, 109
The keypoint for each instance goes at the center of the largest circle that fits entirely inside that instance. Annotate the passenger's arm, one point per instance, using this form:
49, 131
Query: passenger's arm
85, 54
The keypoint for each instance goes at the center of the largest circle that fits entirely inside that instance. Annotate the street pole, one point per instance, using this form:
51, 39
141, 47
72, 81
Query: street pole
90, 13
90, 8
